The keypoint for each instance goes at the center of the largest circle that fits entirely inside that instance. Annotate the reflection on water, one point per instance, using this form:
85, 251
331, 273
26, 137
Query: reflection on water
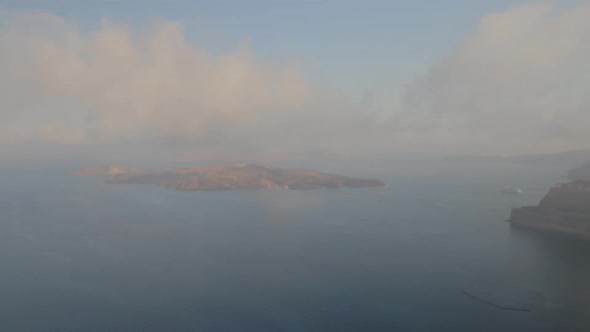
79, 255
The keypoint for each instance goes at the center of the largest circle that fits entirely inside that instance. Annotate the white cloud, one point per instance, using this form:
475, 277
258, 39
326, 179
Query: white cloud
111, 86
520, 83
115, 85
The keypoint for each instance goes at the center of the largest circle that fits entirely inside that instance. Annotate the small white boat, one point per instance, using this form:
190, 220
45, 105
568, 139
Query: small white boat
512, 191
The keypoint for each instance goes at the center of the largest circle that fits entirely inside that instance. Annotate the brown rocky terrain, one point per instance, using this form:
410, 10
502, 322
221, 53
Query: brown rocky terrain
231, 177
565, 209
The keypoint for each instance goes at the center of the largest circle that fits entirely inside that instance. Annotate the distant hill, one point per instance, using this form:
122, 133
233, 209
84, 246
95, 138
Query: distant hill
231, 176
565, 159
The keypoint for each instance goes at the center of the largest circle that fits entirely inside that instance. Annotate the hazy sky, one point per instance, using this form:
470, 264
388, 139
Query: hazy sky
241, 79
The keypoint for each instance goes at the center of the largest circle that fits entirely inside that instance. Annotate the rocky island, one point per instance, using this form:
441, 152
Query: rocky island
229, 177
565, 209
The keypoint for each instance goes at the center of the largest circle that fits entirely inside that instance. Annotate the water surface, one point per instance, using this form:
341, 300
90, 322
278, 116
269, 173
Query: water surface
81, 255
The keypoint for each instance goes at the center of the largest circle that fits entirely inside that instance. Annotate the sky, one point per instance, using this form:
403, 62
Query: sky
269, 79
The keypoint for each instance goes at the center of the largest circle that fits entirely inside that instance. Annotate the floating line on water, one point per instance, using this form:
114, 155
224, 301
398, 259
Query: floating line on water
469, 291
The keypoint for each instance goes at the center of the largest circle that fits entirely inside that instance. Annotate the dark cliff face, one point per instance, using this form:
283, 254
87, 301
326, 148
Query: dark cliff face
573, 197
565, 209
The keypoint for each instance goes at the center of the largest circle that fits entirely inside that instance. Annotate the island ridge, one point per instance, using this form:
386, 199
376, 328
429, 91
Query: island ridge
230, 176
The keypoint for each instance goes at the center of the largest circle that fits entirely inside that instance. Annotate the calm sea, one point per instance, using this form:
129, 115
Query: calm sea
80, 255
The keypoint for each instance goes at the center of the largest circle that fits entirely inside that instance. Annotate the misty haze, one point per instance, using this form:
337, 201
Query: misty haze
294, 165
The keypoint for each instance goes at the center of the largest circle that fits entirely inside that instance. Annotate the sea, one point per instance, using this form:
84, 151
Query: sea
77, 254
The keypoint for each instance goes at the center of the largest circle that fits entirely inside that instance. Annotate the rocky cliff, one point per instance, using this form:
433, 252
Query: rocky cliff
565, 209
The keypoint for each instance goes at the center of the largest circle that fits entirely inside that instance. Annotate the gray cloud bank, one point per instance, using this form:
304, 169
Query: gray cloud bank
520, 83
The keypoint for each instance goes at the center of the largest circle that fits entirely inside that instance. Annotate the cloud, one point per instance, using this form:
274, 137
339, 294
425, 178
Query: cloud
121, 86
117, 86
519, 83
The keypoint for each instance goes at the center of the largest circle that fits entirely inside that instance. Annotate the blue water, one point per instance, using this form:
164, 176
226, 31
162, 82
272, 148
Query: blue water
80, 255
